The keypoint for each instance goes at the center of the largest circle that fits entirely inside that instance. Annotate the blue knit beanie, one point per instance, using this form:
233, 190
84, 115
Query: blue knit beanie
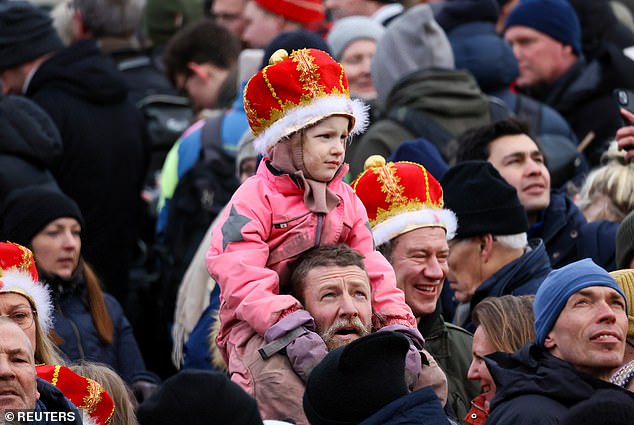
555, 18
560, 285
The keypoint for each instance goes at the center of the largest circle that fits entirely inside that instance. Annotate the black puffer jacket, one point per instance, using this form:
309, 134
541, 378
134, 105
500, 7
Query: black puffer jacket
30, 145
534, 387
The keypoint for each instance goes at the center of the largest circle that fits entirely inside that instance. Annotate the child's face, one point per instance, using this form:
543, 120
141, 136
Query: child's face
324, 147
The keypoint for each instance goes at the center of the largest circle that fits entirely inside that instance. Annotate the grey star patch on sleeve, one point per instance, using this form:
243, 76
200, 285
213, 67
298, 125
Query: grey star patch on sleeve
232, 228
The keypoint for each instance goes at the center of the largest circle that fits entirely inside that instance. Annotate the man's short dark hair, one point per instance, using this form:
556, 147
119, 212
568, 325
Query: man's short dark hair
201, 42
474, 143
339, 255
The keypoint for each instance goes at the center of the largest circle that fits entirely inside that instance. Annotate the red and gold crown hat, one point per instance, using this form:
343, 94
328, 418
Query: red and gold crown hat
400, 197
19, 275
295, 91
85, 393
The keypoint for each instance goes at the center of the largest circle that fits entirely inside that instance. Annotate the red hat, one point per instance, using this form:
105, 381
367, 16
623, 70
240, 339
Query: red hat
304, 11
295, 91
401, 197
85, 393
19, 275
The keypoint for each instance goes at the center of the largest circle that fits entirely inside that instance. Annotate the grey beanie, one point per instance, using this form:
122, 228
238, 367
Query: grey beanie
412, 42
625, 242
352, 28
246, 149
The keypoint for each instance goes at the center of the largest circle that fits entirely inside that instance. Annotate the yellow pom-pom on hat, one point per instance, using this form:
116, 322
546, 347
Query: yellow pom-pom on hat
278, 56
400, 197
374, 161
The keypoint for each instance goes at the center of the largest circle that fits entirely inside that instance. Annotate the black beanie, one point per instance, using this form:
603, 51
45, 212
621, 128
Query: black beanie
294, 40
454, 13
482, 200
30, 209
26, 33
199, 397
356, 380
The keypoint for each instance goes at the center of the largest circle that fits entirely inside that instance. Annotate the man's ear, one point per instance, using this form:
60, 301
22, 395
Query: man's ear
549, 342
198, 70
486, 246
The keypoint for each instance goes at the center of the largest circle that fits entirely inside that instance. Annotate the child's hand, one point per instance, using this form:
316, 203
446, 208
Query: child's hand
305, 352
306, 348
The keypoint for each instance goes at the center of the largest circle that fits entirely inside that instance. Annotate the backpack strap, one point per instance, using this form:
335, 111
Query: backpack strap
211, 137
133, 63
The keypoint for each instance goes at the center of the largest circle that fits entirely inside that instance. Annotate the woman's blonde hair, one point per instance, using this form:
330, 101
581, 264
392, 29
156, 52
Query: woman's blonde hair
507, 320
606, 194
121, 394
45, 350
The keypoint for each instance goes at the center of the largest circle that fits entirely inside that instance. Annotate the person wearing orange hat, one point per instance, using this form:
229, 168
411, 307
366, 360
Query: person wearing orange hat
300, 110
265, 19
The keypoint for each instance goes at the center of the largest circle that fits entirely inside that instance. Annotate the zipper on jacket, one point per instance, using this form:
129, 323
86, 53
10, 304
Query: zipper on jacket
284, 224
320, 222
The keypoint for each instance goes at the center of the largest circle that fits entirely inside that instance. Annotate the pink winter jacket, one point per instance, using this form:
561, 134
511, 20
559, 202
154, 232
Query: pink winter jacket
264, 227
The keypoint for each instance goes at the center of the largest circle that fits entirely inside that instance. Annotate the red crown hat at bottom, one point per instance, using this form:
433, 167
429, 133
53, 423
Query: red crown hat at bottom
400, 197
87, 394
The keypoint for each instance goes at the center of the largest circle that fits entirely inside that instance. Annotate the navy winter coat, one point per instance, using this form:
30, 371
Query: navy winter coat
569, 237
534, 387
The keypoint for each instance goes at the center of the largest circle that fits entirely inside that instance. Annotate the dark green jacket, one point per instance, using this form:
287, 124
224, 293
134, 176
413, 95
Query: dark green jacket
450, 98
451, 347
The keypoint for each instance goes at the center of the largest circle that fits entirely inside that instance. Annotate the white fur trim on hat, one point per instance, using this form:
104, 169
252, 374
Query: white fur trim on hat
36, 292
303, 116
408, 221
86, 419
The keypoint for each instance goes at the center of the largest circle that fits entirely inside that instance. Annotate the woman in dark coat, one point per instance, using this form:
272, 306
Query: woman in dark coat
89, 323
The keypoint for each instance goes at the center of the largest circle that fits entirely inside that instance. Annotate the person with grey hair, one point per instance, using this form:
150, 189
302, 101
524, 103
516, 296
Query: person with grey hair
490, 255
419, 91
116, 25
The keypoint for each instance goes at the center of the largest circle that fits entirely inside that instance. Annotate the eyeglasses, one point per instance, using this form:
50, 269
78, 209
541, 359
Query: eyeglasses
23, 317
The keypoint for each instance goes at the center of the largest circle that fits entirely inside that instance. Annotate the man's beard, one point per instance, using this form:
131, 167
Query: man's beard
330, 335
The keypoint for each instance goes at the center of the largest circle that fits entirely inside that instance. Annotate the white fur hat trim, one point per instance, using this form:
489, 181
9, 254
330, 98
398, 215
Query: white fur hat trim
36, 292
411, 220
304, 116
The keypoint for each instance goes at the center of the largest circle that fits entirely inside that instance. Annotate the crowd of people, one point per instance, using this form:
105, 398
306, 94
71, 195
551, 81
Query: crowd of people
317, 211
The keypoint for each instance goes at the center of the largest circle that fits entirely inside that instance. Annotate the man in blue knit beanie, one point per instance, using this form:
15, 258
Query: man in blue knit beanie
580, 330
546, 38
